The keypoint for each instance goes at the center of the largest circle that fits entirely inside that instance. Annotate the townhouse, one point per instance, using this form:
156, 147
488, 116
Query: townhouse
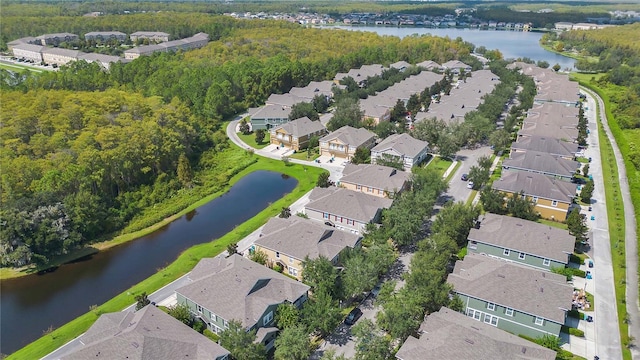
401, 148
296, 134
343, 142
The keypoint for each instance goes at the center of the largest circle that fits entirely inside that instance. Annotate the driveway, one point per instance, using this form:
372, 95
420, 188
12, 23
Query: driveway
458, 190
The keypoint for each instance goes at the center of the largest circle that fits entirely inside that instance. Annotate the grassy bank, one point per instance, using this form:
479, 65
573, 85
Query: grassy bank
250, 139
616, 223
306, 177
16, 67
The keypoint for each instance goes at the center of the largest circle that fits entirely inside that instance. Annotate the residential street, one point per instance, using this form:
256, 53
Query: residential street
605, 329
607, 334
341, 340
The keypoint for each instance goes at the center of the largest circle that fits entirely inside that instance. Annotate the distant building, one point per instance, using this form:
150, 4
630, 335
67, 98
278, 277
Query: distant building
56, 39
152, 36
59, 56
28, 52
196, 41
105, 36
104, 61
269, 116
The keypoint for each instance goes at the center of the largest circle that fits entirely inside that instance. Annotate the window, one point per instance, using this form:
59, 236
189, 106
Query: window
546, 262
490, 319
370, 189
535, 199
358, 187
325, 215
199, 308
290, 260
521, 256
474, 314
473, 245
277, 255
293, 271
491, 306
267, 318
539, 321
508, 312
506, 252
554, 203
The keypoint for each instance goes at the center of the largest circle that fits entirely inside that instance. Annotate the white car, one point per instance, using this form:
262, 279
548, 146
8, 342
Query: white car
470, 185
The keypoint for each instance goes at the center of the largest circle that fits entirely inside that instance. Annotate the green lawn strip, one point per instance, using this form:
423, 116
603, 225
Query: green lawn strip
453, 171
303, 155
14, 67
306, 176
251, 140
439, 164
555, 224
583, 160
616, 221
472, 196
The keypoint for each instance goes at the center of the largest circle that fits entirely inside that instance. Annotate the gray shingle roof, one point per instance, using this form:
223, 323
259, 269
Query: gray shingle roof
563, 114
429, 64
301, 127
524, 236
248, 288
566, 133
29, 47
377, 176
272, 112
61, 52
148, 334
299, 238
535, 292
449, 335
350, 136
541, 162
537, 185
347, 203
455, 64
403, 144
549, 145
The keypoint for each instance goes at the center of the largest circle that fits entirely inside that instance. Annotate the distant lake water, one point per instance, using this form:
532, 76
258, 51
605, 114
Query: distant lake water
512, 44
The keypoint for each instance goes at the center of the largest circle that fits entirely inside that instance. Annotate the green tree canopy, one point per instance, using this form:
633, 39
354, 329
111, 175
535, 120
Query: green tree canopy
240, 342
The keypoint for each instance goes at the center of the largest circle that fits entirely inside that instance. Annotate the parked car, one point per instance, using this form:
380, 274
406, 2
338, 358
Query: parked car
464, 177
470, 185
353, 316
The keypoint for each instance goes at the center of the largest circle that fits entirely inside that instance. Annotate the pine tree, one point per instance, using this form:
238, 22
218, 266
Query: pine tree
185, 174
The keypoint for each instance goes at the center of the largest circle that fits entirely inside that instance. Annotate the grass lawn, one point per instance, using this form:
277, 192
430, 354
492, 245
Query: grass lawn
16, 67
555, 224
306, 176
251, 140
453, 171
303, 155
583, 160
439, 164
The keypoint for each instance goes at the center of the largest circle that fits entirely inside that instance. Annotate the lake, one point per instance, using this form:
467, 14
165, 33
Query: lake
33, 303
512, 44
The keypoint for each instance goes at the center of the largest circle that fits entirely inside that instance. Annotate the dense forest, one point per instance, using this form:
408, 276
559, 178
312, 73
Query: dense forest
92, 150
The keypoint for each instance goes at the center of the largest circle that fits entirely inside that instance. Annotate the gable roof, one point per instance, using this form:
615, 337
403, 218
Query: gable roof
299, 238
272, 112
147, 334
524, 236
350, 136
403, 144
535, 292
450, 335
376, 176
400, 65
429, 64
549, 129
347, 203
534, 184
455, 64
61, 52
249, 288
541, 162
301, 127
549, 145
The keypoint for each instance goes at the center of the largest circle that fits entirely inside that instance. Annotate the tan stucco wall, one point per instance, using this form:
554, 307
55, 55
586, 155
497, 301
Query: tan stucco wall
284, 259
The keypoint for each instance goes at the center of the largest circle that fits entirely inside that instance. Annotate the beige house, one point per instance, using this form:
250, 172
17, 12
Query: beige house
28, 52
59, 56
343, 142
154, 36
287, 242
400, 147
297, 133
345, 209
376, 180
552, 198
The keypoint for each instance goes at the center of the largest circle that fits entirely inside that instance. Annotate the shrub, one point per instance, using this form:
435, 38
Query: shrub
211, 335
